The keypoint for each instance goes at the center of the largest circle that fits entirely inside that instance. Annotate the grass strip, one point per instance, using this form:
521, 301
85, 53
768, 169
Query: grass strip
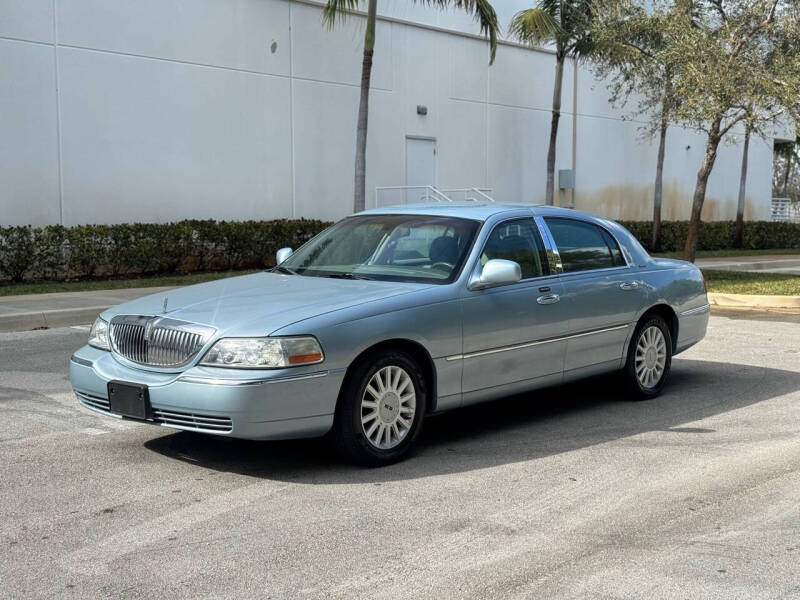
740, 282
49, 287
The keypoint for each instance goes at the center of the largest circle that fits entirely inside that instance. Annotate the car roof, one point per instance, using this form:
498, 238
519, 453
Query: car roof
480, 211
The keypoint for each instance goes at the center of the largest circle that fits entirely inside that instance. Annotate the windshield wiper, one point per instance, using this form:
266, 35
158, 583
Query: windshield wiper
285, 270
347, 276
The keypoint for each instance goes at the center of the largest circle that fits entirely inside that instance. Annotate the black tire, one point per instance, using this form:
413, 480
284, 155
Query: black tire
639, 391
348, 433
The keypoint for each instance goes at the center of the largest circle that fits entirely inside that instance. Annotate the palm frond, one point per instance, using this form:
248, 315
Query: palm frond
482, 11
584, 47
337, 10
534, 26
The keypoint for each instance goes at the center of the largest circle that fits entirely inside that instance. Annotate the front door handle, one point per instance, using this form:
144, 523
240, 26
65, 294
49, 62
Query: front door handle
629, 285
548, 299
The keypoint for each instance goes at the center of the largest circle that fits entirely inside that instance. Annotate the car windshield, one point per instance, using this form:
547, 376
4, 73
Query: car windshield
416, 248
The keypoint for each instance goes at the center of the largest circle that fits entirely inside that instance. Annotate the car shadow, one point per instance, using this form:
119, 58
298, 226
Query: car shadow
524, 427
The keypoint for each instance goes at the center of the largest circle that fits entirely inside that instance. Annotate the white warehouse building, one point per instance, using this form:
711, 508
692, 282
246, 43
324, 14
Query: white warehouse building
144, 110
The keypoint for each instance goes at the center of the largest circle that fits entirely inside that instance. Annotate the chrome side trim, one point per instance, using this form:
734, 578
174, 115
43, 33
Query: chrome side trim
242, 382
694, 311
81, 361
536, 343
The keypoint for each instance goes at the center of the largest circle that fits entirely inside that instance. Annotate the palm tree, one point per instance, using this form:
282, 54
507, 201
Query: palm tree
739, 235
566, 25
482, 11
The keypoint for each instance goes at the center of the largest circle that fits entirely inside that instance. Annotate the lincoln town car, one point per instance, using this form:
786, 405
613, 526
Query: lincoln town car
391, 315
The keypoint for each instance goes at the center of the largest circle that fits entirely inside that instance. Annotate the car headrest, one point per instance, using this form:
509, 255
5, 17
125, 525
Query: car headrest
508, 245
444, 249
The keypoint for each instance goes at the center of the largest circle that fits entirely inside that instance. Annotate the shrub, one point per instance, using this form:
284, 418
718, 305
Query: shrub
61, 253
16, 252
129, 249
718, 235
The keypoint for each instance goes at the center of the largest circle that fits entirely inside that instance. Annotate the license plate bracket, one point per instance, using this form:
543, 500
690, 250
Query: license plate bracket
129, 400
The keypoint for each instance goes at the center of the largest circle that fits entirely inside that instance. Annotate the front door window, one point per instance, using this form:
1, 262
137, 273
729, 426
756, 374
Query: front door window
517, 240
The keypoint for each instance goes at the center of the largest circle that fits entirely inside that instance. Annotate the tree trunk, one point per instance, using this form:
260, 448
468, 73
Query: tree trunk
712, 144
655, 243
551, 150
737, 241
786, 173
359, 202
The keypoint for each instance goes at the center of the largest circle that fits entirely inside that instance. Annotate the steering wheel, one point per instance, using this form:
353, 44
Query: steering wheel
442, 265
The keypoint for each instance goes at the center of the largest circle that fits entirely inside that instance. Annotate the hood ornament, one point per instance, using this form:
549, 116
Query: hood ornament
149, 326
164, 308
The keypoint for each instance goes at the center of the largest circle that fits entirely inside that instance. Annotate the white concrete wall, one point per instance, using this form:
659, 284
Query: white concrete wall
123, 110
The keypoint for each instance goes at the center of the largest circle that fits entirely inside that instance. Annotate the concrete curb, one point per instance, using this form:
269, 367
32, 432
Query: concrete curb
62, 309
753, 301
50, 318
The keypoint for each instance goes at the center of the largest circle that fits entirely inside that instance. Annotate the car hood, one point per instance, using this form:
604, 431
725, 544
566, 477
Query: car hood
260, 303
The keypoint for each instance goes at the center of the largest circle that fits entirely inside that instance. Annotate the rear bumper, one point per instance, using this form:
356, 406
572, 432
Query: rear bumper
692, 326
242, 404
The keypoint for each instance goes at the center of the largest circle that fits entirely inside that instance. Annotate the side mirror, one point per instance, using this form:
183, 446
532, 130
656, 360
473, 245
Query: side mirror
494, 273
282, 255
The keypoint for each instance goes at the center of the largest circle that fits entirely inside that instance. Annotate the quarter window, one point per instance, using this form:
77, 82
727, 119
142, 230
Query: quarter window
584, 246
517, 240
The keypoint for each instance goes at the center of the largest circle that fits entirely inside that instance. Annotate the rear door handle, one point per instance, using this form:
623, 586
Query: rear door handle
548, 299
629, 285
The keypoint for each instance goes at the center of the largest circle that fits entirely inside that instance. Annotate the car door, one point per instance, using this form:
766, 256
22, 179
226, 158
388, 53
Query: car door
601, 293
510, 332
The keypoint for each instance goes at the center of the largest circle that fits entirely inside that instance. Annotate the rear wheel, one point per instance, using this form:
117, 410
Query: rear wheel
649, 358
381, 409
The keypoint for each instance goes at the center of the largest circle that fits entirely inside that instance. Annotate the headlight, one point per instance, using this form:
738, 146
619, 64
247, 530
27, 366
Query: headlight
264, 353
98, 335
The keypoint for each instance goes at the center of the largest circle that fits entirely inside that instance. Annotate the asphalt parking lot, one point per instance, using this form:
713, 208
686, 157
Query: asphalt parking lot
570, 492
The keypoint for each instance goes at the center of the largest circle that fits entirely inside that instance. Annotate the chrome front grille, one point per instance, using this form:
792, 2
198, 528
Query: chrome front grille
168, 418
157, 341
93, 402
182, 420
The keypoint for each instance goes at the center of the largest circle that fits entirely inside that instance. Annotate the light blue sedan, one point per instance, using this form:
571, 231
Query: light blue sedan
391, 315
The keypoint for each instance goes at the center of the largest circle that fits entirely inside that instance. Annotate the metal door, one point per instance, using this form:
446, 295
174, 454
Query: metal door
420, 167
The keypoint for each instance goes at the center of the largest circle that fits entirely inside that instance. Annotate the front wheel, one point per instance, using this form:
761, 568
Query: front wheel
649, 358
381, 409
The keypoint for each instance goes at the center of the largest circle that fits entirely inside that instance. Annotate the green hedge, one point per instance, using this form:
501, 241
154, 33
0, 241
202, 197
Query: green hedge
718, 235
62, 253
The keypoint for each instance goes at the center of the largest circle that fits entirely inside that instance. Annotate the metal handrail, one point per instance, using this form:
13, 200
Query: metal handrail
429, 192
433, 194
480, 193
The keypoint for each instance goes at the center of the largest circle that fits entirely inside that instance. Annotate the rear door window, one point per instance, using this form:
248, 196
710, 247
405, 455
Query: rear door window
584, 246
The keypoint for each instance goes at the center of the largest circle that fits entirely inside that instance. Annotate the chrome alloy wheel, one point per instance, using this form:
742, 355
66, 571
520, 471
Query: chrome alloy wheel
388, 407
651, 357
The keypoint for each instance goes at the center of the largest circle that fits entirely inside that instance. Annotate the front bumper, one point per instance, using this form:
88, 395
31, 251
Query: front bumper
259, 405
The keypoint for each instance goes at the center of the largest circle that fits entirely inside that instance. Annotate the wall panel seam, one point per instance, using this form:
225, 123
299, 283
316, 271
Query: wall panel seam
217, 67
8, 38
58, 116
